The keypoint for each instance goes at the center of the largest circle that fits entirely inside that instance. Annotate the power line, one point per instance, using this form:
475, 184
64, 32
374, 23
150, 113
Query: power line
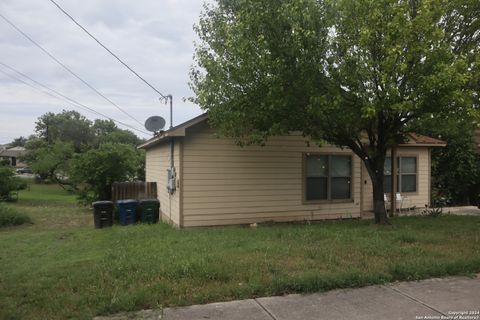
63, 97
67, 68
70, 101
109, 51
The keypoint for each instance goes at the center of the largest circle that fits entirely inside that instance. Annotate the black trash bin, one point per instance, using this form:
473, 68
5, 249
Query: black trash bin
127, 211
103, 214
149, 210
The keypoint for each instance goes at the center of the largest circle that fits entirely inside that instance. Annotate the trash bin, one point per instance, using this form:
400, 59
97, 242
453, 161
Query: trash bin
149, 210
127, 211
102, 214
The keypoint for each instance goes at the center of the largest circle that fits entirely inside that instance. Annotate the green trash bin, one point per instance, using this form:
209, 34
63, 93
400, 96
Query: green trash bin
149, 210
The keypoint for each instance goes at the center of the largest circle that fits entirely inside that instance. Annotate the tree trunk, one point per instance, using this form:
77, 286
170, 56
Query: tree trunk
375, 171
379, 200
373, 156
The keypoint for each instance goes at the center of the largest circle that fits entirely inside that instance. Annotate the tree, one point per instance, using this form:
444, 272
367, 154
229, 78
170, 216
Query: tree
353, 73
83, 155
52, 162
18, 142
9, 183
67, 126
106, 131
103, 127
455, 168
96, 170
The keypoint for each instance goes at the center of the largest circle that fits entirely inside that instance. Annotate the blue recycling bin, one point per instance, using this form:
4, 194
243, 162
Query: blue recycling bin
127, 211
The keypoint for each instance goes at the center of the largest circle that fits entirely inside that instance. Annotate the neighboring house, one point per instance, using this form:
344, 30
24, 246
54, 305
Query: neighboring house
12, 155
288, 179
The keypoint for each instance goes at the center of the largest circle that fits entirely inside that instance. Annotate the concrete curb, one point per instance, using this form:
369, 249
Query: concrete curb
438, 298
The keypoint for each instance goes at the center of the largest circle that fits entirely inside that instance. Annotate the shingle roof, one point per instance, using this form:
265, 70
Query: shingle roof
414, 139
12, 152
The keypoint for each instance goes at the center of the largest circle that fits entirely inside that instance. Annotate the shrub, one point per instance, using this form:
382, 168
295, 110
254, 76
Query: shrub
94, 171
9, 183
12, 217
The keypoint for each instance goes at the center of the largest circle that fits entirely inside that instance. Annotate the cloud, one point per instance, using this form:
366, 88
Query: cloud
154, 37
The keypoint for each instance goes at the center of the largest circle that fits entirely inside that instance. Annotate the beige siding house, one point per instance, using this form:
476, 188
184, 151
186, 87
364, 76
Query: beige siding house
288, 179
12, 155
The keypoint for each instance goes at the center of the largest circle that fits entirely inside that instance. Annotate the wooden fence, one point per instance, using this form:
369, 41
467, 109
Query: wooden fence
134, 190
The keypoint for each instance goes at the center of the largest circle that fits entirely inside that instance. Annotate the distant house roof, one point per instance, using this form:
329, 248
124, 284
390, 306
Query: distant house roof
12, 152
413, 139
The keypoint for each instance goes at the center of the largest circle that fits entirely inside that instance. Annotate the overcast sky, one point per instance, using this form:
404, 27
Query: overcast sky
154, 37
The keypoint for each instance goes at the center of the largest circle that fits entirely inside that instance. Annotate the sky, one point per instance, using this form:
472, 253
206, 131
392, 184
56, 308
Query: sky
155, 38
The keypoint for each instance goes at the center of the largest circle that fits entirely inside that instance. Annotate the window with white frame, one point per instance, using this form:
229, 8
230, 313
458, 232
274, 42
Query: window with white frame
328, 177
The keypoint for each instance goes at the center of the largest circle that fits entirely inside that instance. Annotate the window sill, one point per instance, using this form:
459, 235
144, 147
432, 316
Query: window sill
405, 193
308, 202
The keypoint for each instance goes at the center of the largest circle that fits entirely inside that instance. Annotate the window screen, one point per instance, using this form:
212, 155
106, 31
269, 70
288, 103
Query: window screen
328, 177
406, 174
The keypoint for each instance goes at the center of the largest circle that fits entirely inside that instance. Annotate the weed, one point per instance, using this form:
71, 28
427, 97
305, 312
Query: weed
10, 216
61, 267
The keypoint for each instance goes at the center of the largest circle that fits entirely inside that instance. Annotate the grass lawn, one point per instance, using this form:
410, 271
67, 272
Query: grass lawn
61, 267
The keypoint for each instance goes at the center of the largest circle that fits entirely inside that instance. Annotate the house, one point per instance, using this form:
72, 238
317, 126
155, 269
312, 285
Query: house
12, 155
216, 182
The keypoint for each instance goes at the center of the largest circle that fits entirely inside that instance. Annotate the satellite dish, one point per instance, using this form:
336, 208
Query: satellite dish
155, 123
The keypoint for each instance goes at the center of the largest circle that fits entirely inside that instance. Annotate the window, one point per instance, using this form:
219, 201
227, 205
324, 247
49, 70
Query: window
406, 174
328, 177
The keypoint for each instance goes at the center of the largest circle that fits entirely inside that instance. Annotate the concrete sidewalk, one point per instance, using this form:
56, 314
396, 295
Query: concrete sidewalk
447, 298
428, 299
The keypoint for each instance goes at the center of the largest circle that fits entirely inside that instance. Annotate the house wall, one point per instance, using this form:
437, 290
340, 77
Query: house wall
419, 198
226, 184
157, 163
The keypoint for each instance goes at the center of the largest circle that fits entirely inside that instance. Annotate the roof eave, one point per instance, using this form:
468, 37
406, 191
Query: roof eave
177, 131
164, 136
422, 145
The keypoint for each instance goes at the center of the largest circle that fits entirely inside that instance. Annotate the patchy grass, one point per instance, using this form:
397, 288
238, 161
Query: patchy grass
45, 193
60, 267
10, 216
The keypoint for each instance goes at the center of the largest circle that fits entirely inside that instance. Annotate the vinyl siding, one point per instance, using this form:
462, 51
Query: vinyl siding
227, 184
419, 198
157, 163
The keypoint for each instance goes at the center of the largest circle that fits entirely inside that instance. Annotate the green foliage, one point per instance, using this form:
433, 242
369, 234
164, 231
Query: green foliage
262, 62
18, 142
141, 163
433, 212
10, 216
67, 141
67, 126
96, 170
9, 183
354, 73
455, 168
106, 131
52, 161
